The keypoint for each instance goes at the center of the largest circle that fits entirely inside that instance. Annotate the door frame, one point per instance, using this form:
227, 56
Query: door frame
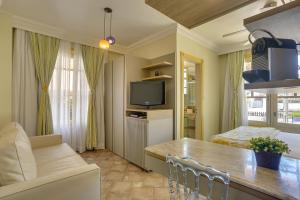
199, 63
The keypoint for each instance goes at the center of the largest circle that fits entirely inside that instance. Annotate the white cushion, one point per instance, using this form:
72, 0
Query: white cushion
52, 153
17, 162
12, 126
56, 158
59, 165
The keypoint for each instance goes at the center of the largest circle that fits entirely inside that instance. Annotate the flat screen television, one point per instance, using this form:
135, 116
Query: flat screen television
147, 93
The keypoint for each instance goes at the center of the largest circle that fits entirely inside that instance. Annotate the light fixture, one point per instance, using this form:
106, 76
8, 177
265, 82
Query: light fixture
109, 40
104, 44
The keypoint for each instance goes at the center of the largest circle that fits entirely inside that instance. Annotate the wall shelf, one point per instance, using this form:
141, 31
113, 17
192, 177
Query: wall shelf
161, 77
274, 86
282, 21
158, 65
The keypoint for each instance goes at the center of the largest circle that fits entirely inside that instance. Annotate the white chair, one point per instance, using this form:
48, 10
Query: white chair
187, 170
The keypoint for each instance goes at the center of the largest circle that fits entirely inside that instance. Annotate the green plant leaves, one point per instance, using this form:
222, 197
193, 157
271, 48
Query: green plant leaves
266, 144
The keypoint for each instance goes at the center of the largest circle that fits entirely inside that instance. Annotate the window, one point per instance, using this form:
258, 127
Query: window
257, 106
283, 109
69, 89
288, 108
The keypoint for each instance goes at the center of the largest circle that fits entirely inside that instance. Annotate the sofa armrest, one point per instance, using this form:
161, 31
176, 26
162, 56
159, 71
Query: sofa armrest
76, 184
44, 141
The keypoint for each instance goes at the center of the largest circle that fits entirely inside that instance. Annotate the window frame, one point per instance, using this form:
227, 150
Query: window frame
261, 123
272, 112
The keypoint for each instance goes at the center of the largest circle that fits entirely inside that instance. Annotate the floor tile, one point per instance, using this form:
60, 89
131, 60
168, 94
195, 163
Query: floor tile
161, 194
142, 193
121, 180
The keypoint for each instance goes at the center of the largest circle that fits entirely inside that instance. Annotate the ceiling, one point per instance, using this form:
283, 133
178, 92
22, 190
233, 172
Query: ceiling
133, 20
229, 23
191, 13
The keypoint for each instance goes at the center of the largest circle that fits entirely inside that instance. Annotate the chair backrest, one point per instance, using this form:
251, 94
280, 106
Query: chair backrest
186, 166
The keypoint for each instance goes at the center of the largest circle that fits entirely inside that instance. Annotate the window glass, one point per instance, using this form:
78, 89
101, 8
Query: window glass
288, 108
257, 107
298, 66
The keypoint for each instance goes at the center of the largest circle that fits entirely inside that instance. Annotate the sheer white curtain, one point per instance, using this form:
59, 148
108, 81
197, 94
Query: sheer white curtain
69, 92
24, 83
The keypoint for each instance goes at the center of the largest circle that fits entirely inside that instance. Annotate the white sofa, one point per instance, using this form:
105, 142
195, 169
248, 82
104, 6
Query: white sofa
61, 174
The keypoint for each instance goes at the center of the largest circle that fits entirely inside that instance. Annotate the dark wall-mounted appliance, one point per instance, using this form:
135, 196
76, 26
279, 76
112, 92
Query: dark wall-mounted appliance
272, 59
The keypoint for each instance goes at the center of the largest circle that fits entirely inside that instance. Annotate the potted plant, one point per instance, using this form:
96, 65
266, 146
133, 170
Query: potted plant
268, 151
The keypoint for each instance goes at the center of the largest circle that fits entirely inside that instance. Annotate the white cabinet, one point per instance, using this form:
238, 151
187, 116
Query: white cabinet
114, 105
155, 127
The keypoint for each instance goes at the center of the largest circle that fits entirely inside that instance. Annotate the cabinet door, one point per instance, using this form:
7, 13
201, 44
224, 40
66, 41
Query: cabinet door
118, 84
135, 140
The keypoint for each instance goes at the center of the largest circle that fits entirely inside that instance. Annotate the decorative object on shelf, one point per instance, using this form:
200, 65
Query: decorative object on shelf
109, 40
160, 77
156, 73
157, 65
257, 75
268, 151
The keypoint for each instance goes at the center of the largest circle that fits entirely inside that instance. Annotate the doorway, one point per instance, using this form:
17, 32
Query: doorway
191, 97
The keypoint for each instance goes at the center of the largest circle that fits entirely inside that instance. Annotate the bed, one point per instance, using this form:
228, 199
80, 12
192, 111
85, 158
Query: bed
241, 136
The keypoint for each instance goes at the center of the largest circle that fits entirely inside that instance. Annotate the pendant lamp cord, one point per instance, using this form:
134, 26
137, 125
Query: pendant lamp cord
104, 24
110, 24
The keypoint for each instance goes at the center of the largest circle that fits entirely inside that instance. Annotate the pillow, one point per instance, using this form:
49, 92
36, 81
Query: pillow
12, 126
17, 162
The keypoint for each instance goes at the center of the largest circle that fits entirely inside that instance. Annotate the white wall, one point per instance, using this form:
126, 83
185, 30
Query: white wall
133, 73
151, 51
211, 93
154, 49
5, 68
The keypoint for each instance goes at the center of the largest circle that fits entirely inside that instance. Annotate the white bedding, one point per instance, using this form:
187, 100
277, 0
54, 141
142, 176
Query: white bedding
240, 137
245, 133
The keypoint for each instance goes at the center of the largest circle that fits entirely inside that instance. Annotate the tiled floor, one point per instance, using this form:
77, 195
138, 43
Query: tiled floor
124, 181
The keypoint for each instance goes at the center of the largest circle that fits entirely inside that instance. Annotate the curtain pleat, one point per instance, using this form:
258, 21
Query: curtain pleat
233, 93
44, 50
93, 59
24, 83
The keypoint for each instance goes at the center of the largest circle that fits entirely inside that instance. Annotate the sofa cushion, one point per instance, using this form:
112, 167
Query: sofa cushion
56, 158
12, 126
17, 162
52, 153
60, 165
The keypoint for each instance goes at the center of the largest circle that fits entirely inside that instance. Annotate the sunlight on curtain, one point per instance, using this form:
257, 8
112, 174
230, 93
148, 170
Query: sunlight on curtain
69, 92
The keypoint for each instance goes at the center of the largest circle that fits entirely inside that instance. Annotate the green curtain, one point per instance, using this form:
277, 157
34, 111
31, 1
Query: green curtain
235, 63
44, 50
93, 59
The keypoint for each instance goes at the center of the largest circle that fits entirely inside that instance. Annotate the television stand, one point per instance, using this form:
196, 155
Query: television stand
146, 127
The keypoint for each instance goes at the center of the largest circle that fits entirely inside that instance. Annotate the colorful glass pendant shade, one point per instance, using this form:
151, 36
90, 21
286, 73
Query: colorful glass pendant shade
104, 44
109, 40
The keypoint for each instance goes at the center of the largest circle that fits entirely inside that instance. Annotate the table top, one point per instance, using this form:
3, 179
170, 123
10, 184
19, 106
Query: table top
239, 163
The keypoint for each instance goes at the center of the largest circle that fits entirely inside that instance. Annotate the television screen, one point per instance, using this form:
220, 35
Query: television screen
147, 93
